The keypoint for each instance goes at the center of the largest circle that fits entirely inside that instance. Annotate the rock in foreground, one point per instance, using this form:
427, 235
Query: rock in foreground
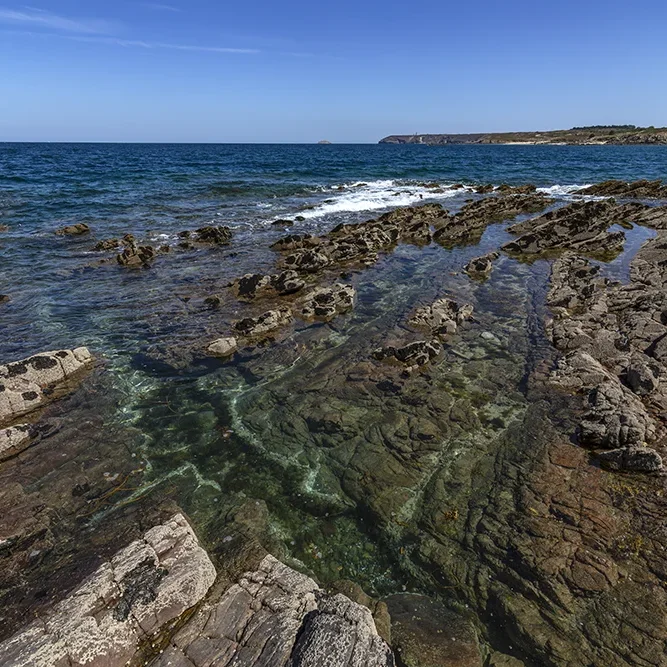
27, 385
127, 600
274, 617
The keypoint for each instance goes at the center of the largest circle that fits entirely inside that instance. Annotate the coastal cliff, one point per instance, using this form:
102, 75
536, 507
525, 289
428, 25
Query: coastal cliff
581, 136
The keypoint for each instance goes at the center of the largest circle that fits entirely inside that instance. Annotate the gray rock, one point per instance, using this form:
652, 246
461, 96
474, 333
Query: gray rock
325, 303
124, 602
266, 323
25, 385
223, 347
277, 617
441, 317
635, 459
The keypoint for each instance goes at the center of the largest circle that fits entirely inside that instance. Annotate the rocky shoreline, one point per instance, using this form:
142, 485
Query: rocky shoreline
505, 444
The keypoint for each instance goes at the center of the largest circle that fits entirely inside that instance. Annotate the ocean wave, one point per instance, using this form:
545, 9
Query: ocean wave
562, 190
376, 195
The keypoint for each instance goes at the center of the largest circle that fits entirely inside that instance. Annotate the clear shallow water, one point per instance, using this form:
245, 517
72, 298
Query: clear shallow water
284, 426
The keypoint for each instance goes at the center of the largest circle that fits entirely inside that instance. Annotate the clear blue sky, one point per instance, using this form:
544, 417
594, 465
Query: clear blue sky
285, 70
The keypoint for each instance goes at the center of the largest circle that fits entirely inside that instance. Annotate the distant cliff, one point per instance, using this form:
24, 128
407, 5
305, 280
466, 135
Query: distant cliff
593, 135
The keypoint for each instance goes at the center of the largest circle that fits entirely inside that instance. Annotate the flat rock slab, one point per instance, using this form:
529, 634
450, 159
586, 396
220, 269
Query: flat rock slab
124, 602
427, 634
26, 385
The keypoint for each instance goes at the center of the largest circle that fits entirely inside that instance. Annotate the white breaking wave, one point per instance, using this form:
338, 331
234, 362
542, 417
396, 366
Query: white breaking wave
375, 195
562, 190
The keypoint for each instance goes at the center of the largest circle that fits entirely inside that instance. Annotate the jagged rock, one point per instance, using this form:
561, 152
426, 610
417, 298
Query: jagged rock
634, 459
427, 634
253, 285
307, 261
481, 266
516, 189
614, 416
470, 222
5, 298
442, 317
295, 242
135, 256
223, 347
107, 244
27, 385
637, 190
580, 226
266, 323
360, 242
209, 235
283, 223
74, 230
640, 378
417, 353
325, 303
276, 617
125, 601
4, 228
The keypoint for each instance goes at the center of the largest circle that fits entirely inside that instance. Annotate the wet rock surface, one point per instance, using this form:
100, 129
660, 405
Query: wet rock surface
427, 634
255, 285
469, 223
636, 190
210, 235
481, 267
74, 230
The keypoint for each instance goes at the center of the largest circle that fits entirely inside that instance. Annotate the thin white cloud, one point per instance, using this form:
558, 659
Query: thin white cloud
43, 19
160, 7
161, 45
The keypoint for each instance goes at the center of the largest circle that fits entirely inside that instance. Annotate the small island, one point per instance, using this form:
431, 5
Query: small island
593, 135
324, 141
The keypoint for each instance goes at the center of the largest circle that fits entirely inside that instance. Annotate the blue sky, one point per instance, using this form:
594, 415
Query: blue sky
266, 70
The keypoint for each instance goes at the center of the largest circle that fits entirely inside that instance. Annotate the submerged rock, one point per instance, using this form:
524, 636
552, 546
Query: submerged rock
427, 634
74, 230
417, 353
28, 384
128, 599
325, 303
